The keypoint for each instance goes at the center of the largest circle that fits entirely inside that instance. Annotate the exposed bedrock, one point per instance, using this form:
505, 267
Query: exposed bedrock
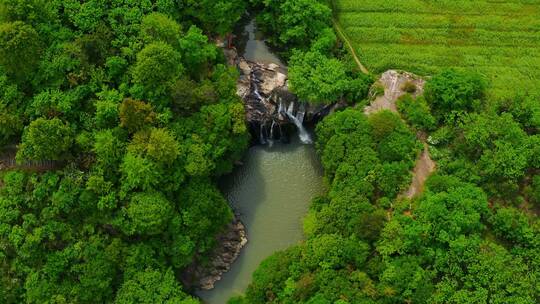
272, 111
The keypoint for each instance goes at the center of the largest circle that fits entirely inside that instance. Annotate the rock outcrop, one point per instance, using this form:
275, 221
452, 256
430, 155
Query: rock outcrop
272, 111
395, 85
231, 242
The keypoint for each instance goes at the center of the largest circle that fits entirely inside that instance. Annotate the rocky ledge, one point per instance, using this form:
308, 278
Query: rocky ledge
272, 111
204, 276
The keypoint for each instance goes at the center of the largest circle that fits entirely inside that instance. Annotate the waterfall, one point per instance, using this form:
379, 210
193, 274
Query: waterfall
254, 82
301, 113
256, 92
290, 110
280, 107
272, 129
302, 132
262, 138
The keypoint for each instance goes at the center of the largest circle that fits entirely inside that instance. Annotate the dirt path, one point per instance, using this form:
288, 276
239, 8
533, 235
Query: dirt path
8, 162
343, 37
422, 170
393, 81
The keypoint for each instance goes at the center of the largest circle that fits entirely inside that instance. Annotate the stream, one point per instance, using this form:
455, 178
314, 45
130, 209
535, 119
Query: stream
271, 191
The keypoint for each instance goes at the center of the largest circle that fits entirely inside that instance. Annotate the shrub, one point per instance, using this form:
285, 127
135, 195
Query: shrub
409, 87
416, 112
453, 90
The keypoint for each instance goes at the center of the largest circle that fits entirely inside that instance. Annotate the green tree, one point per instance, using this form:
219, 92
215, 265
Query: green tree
158, 144
152, 286
197, 53
453, 90
138, 172
317, 78
216, 16
136, 115
109, 149
302, 21
45, 139
158, 65
107, 109
10, 117
187, 96
157, 27
293, 24
85, 16
29, 11
417, 112
147, 213
20, 49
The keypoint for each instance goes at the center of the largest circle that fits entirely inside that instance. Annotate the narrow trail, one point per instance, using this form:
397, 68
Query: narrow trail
344, 38
8, 162
422, 170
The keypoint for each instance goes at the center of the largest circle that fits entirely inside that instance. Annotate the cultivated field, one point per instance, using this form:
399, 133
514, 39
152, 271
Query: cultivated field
500, 39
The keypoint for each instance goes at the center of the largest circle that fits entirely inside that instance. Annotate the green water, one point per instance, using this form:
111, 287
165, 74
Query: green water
255, 49
272, 192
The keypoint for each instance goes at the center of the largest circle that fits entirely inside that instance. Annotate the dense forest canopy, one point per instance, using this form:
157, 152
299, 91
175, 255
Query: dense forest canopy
472, 236
138, 110
134, 107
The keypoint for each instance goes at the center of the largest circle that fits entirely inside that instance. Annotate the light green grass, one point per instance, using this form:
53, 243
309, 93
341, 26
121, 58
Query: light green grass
499, 39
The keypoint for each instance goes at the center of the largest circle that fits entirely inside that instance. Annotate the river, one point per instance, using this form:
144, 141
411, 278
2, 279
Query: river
272, 191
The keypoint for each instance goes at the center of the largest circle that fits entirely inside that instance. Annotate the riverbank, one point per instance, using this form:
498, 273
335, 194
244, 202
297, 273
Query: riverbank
271, 192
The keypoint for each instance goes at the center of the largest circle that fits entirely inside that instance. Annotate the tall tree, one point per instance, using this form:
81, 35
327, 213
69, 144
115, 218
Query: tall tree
45, 139
20, 49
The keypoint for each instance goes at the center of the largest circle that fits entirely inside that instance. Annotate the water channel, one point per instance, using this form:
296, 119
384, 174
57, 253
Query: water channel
271, 191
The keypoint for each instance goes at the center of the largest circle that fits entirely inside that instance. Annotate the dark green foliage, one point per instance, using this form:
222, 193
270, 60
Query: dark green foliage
534, 193
216, 16
157, 66
417, 112
293, 23
20, 48
94, 85
45, 139
453, 90
151, 286
393, 139
10, 120
316, 78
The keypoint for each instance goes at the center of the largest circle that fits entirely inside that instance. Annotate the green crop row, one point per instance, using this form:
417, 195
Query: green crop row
500, 40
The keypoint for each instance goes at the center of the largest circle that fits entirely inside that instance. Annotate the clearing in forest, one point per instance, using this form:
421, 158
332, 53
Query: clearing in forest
499, 39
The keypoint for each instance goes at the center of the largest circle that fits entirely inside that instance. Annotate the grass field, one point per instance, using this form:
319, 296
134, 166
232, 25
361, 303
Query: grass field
500, 39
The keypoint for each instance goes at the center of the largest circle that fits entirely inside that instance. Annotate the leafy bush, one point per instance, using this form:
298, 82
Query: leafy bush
416, 112
453, 90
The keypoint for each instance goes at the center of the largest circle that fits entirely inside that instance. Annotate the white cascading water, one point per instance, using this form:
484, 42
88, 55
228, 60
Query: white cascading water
302, 132
256, 92
272, 129
261, 135
301, 113
280, 107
